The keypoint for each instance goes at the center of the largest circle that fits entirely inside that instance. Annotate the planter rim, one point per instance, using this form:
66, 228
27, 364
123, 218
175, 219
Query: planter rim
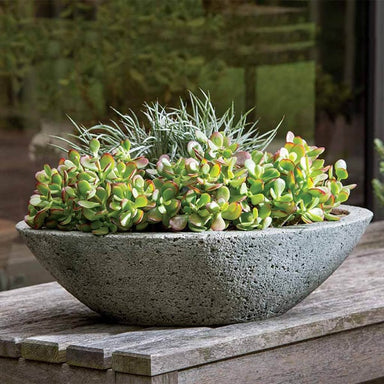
354, 214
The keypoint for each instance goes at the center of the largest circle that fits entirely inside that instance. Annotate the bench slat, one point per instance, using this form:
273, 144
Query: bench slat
52, 347
98, 355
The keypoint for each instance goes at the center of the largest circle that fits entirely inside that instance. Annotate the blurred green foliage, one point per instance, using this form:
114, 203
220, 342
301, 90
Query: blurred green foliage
84, 57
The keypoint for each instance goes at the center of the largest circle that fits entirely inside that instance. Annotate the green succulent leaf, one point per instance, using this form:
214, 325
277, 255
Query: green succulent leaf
232, 212
88, 204
218, 224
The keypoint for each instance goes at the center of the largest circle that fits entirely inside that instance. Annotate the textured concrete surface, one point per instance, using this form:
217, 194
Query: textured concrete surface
197, 278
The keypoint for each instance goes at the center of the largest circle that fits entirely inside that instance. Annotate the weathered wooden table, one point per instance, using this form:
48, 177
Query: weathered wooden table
336, 335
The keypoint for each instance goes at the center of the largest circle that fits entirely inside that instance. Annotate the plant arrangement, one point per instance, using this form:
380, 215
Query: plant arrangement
187, 171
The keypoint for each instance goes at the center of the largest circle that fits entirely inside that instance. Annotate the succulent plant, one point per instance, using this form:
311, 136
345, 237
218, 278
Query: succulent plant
216, 187
92, 193
168, 130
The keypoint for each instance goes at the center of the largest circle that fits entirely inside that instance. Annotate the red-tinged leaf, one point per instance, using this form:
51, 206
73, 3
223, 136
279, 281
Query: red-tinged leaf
299, 174
61, 161
89, 163
217, 139
319, 192
218, 224
223, 194
107, 162
241, 157
74, 156
66, 220
213, 187
232, 212
35, 200
170, 185
149, 186
138, 218
43, 189
196, 220
117, 190
141, 201
341, 173
84, 187
38, 220
57, 179
197, 190
56, 212
125, 219
88, 204
102, 231
141, 162
154, 216
172, 207
288, 146
290, 136
191, 165
299, 150
287, 165
42, 177
198, 154
314, 152
178, 223
115, 206
343, 195
270, 174
130, 170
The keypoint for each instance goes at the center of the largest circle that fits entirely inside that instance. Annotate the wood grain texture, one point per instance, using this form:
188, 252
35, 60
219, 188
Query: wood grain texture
39, 309
349, 299
344, 358
20, 371
98, 354
52, 347
168, 378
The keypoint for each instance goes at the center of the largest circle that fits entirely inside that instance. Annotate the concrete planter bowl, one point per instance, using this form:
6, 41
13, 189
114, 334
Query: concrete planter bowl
191, 278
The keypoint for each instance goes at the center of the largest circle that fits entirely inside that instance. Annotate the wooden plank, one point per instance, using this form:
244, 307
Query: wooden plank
37, 303
348, 300
373, 237
98, 354
168, 378
44, 308
348, 357
52, 347
156, 358
20, 371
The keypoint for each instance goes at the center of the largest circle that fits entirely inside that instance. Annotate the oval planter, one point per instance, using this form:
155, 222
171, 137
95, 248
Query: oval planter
188, 278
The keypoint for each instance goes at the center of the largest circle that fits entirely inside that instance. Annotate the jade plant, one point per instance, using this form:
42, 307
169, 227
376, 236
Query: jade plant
216, 186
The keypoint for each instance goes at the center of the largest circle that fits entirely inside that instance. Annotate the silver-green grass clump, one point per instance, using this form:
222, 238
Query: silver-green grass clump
168, 130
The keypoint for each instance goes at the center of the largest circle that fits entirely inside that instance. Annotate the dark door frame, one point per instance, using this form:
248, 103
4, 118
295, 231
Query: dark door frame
375, 99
